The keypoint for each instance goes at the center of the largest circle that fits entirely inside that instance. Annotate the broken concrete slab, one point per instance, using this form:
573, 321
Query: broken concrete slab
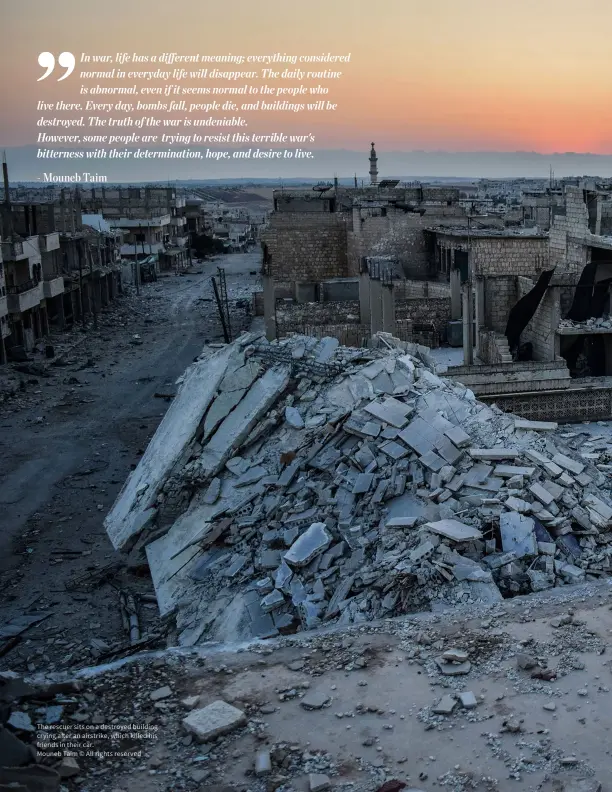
223, 404
390, 411
432, 461
518, 534
293, 418
394, 450
402, 522
445, 706
326, 349
543, 495
453, 529
212, 493
493, 454
568, 464
449, 668
235, 428
363, 482
251, 476
214, 720
535, 426
309, 545
508, 471
318, 782
164, 452
420, 436
468, 699
458, 437
315, 700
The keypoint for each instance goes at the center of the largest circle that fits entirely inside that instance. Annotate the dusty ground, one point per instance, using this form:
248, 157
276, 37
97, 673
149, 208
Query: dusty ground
68, 442
380, 684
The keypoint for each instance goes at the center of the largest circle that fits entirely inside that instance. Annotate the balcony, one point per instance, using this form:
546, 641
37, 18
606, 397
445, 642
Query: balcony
24, 296
49, 242
12, 251
135, 222
52, 287
149, 249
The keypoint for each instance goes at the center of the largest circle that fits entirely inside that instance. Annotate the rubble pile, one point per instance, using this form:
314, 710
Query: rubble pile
314, 483
601, 322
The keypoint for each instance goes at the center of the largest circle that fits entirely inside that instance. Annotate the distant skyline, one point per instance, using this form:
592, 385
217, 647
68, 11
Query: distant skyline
474, 76
23, 166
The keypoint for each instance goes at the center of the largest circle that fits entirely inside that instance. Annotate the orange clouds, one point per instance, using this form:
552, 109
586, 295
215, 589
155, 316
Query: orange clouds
464, 76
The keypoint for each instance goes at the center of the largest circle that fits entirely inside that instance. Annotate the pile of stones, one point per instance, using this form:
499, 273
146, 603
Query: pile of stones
373, 487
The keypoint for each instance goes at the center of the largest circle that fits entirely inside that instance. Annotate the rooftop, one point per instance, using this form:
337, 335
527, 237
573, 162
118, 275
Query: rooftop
489, 232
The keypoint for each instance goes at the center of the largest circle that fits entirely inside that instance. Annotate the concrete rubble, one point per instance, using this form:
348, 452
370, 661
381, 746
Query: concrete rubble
320, 484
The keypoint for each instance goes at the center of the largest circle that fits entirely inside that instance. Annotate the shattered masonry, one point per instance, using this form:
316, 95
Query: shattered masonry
297, 483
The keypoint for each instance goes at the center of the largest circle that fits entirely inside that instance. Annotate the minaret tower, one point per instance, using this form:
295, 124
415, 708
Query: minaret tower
373, 166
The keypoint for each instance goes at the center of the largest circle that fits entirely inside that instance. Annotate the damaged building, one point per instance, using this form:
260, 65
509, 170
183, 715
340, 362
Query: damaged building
542, 338
152, 219
529, 303
317, 240
55, 270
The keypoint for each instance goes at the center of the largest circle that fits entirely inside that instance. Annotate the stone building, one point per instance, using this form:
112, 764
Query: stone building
152, 219
325, 234
52, 272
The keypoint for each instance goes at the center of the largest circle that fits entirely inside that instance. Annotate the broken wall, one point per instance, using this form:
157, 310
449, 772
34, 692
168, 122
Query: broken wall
412, 289
401, 235
430, 310
347, 334
500, 294
568, 232
306, 247
488, 349
502, 255
294, 317
541, 330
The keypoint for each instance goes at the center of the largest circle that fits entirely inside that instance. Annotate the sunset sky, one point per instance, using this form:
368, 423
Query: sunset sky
476, 75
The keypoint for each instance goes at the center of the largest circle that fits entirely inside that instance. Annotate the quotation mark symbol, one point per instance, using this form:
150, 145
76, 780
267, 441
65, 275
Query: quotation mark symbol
47, 61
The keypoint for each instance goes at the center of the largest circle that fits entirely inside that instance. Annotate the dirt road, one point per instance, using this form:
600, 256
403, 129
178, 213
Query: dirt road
65, 455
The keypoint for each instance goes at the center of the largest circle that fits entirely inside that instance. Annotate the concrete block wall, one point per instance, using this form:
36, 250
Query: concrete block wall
512, 377
500, 295
488, 350
569, 230
430, 310
306, 247
541, 330
258, 303
510, 255
523, 286
355, 335
503, 255
400, 235
412, 289
294, 317
569, 405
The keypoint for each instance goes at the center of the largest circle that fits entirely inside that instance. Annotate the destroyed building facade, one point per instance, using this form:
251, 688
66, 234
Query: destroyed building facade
55, 270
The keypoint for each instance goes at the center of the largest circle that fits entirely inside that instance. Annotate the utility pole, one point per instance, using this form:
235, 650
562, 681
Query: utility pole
468, 305
94, 306
136, 265
80, 256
